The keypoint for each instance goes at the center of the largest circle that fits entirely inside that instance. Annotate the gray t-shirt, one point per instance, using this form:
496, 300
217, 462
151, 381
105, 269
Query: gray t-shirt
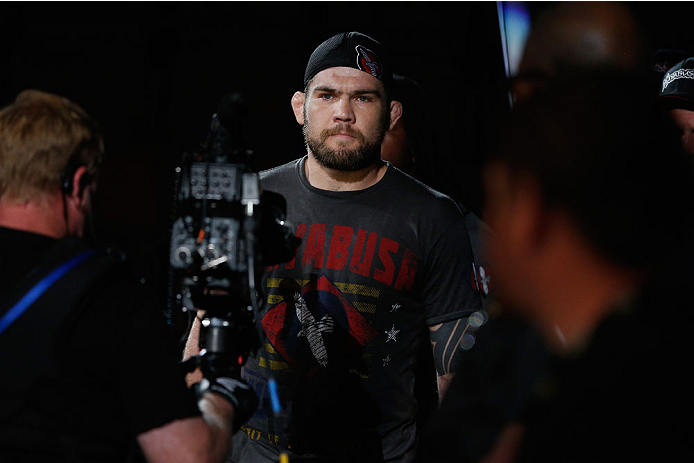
343, 320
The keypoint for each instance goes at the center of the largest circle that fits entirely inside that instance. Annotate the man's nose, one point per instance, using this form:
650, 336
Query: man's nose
344, 111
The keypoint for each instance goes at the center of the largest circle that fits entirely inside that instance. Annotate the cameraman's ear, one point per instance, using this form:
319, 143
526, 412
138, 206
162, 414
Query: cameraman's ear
298, 100
79, 183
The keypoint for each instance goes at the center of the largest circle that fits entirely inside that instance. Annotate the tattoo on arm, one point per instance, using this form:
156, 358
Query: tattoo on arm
445, 342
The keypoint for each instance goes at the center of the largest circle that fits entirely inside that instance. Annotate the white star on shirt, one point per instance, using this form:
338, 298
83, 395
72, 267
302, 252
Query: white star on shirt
396, 306
391, 334
386, 360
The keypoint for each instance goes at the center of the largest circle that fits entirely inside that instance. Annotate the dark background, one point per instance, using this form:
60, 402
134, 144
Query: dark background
153, 74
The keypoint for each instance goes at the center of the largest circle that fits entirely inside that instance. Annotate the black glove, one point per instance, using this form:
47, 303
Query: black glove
236, 391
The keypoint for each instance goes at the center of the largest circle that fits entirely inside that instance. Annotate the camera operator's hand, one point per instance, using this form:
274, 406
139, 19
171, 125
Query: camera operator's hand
192, 349
237, 392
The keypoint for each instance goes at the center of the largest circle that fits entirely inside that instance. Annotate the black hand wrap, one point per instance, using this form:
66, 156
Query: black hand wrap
236, 391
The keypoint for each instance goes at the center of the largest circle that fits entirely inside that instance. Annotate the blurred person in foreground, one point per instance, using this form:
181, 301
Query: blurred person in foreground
568, 39
90, 369
589, 197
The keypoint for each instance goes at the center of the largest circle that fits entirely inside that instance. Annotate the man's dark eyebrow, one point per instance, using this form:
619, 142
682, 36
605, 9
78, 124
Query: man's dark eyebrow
365, 91
323, 88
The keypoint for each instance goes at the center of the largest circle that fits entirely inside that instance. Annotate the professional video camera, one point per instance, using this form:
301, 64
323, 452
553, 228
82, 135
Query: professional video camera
225, 230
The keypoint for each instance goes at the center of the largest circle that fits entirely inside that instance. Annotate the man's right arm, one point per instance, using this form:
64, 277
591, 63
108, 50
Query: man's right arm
196, 439
206, 438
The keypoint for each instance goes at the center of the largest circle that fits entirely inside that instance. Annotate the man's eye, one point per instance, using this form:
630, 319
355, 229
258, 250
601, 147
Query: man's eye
325, 96
363, 98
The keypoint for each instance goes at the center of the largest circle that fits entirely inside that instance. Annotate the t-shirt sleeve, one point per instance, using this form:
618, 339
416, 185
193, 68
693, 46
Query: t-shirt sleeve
448, 290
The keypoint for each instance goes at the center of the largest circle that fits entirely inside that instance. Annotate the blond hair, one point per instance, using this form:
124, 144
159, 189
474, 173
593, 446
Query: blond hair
42, 136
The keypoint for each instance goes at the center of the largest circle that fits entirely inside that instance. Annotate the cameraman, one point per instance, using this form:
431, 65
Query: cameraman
88, 365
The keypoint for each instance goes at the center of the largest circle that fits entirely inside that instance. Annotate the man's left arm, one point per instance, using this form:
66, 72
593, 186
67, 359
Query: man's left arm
445, 343
450, 297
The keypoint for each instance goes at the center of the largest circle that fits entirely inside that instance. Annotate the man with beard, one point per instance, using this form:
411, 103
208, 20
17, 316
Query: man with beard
382, 258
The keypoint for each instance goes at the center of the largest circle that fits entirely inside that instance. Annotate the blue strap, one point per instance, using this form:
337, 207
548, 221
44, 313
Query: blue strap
39, 288
274, 397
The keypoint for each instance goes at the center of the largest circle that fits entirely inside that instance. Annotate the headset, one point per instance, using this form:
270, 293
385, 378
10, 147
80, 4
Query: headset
66, 187
67, 175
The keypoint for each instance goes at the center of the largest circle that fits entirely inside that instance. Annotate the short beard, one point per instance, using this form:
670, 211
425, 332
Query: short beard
347, 160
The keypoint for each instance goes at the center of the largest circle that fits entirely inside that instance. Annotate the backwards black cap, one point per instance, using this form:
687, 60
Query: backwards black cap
678, 84
354, 50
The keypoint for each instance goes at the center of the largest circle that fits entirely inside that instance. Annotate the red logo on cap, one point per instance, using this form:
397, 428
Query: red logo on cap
367, 61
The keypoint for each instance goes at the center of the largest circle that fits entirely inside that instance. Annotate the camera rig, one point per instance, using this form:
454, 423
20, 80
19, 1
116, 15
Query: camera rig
225, 229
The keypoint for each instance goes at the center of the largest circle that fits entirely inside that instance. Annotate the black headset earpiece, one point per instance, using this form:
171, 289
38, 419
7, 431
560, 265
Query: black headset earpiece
66, 182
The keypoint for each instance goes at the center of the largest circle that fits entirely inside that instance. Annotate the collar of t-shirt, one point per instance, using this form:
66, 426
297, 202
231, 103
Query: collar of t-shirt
301, 171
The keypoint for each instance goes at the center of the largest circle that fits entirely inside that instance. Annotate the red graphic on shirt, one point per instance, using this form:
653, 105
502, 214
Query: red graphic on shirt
359, 251
317, 311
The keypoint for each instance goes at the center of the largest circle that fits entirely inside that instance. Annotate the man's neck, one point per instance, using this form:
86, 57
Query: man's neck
41, 217
324, 178
579, 294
